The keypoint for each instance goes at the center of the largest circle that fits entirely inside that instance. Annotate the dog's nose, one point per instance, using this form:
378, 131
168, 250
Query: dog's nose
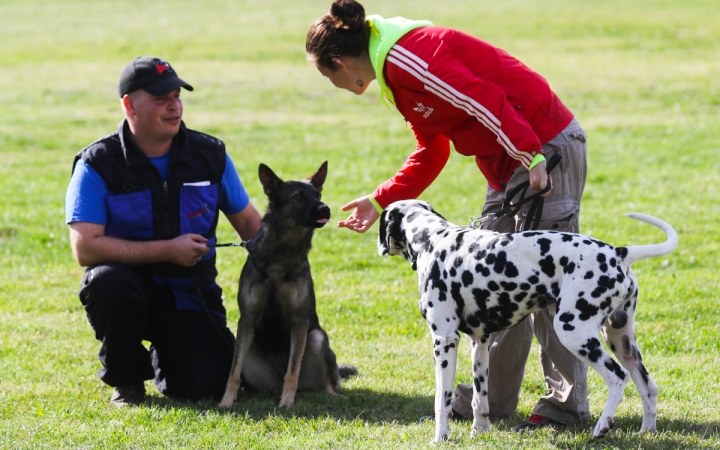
323, 209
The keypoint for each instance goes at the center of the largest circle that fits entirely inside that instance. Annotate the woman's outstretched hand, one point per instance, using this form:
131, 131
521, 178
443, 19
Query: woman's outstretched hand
363, 216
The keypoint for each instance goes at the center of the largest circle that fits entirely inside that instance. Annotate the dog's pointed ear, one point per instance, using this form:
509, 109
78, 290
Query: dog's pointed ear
318, 178
269, 180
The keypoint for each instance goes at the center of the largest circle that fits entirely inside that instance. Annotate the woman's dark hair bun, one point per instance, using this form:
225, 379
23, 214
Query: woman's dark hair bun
347, 15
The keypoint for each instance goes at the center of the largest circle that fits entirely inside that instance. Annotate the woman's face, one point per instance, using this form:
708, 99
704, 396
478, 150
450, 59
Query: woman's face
345, 75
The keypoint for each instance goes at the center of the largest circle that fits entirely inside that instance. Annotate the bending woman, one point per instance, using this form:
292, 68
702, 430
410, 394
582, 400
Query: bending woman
453, 87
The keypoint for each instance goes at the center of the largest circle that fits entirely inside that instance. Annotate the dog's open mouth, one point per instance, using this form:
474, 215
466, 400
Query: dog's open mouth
323, 221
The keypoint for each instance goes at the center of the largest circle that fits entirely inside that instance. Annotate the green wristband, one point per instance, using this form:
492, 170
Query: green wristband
375, 204
539, 158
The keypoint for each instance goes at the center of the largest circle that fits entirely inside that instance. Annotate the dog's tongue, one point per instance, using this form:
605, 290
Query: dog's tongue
323, 221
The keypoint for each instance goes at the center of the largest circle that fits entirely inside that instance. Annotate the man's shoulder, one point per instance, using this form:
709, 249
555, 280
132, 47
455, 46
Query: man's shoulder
205, 140
103, 148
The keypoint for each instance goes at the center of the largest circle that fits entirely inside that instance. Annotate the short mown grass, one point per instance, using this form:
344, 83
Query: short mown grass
641, 76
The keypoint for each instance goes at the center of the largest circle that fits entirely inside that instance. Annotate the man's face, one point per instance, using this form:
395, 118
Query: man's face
154, 117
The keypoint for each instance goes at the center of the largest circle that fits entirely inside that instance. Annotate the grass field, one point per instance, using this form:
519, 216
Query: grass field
641, 76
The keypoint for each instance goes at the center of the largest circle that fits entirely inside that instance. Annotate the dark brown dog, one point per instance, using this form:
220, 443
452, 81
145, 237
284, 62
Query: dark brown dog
280, 345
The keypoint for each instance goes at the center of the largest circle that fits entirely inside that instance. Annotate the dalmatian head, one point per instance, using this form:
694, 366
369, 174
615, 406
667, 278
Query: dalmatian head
392, 236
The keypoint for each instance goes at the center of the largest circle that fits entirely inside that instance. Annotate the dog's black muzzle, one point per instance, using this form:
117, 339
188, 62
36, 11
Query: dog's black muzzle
319, 216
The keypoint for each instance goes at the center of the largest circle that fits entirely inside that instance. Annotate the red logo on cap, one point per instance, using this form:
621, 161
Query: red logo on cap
161, 68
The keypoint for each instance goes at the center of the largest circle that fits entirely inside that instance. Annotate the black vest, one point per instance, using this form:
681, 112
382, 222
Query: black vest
143, 207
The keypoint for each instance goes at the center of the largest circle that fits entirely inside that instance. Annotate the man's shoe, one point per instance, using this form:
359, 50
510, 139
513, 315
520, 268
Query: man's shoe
128, 395
536, 421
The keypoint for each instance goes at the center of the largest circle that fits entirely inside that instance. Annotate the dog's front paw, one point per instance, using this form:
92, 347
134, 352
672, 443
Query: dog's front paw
226, 402
480, 426
287, 400
440, 438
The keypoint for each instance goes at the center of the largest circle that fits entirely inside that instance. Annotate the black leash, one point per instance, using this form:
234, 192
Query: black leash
532, 221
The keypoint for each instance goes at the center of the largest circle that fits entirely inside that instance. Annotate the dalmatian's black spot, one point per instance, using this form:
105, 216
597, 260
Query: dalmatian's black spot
606, 304
644, 373
444, 364
453, 273
508, 286
481, 297
458, 262
520, 296
533, 279
430, 304
555, 289
459, 237
605, 284
592, 349
587, 310
614, 367
566, 318
481, 254
482, 270
457, 297
540, 290
531, 234
493, 286
443, 255
525, 286
589, 275
484, 393
501, 264
547, 265
569, 268
448, 347
434, 281
544, 246
467, 278
567, 237
472, 247
613, 262
621, 252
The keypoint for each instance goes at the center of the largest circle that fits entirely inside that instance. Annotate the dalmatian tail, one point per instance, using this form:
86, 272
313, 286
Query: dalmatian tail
638, 252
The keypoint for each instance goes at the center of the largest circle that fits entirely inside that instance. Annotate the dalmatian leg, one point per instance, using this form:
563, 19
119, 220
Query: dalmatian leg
480, 362
581, 338
445, 351
619, 332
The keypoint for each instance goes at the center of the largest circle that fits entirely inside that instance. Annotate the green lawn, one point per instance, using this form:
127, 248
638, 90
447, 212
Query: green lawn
641, 76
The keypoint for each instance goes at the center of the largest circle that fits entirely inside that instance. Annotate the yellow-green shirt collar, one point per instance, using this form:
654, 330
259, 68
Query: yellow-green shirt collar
384, 33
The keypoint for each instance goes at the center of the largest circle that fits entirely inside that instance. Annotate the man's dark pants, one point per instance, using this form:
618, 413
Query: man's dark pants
189, 356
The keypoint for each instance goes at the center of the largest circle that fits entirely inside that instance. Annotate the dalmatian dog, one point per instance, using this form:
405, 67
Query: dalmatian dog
479, 282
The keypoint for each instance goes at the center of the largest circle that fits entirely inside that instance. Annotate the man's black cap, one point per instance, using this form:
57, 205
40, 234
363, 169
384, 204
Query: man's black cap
151, 74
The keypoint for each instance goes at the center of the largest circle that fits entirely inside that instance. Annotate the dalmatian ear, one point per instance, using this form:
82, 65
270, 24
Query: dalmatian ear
384, 244
391, 240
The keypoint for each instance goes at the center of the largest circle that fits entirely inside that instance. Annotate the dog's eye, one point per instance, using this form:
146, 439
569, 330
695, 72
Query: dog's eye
298, 196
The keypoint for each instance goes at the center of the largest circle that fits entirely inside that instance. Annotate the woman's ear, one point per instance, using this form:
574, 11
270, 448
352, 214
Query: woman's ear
341, 62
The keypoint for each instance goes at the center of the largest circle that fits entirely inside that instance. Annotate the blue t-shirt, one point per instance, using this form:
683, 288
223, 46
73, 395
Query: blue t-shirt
85, 200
